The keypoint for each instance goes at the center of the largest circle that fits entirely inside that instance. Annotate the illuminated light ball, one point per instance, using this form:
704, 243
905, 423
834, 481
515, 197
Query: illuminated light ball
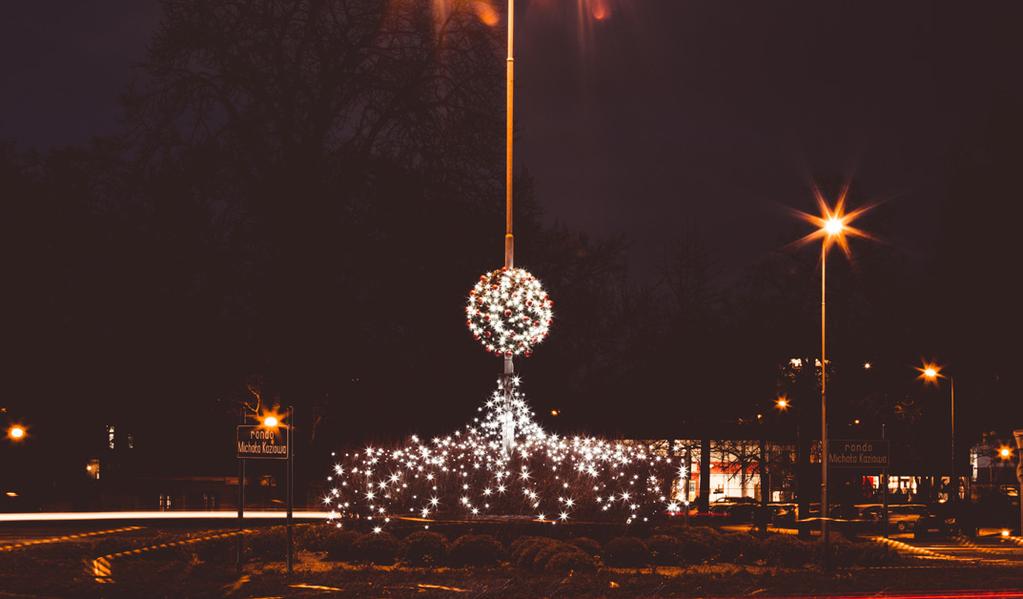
509, 312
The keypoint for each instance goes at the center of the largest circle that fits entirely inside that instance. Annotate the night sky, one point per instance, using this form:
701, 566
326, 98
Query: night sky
657, 114
643, 118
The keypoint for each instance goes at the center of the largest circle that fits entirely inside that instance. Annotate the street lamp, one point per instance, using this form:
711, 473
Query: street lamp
833, 228
782, 403
17, 433
930, 374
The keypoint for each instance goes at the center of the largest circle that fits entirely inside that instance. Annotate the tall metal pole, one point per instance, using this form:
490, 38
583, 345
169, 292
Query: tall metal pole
240, 545
954, 496
509, 238
290, 484
824, 408
884, 490
1018, 434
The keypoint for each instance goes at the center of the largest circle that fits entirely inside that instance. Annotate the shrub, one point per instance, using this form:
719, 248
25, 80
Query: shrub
739, 548
626, 552
588, 545
698, 544
340, 545
663, 550
377, 548
425, 548
787, 551
319, 537
524, 550
549, 550
572, 559
475, 550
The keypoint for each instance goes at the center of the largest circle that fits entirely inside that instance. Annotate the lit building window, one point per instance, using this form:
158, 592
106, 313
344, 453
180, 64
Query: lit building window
92, 469
110, 436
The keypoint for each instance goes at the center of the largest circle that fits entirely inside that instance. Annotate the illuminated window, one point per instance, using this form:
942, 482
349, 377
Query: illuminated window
92, 469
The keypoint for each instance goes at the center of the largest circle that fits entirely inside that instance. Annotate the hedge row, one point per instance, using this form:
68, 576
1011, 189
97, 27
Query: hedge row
674, 546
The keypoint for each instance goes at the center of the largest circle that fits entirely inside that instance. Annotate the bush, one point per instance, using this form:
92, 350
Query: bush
738, 548
626, 552
698, 544
377, 548
524, 550
425, 548
549, 550
571, 559
340, 545
787, 551
588, 545
663, 550
475, 550
319, 537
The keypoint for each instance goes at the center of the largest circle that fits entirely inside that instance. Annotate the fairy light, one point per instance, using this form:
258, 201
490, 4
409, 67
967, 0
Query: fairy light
509, 312
468, 474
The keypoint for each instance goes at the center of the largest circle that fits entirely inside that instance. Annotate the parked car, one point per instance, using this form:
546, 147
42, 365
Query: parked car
733, 512
750, 500
784, 514
904, 517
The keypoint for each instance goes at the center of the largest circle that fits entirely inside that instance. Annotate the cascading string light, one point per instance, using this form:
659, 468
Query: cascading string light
471, 474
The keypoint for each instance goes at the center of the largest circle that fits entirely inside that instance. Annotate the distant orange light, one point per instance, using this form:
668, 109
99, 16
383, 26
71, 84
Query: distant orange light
782, 403
555, 412
486, 13
1004, 452
16, 432
271, 419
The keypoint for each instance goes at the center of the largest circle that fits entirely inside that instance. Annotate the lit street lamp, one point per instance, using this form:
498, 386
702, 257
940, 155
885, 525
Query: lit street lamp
17, 433
833, 228
930, 373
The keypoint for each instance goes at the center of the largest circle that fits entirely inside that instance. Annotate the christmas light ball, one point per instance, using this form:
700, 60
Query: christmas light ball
509, 312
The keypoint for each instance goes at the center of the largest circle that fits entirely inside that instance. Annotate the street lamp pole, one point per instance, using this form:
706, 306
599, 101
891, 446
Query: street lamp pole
1018, 434
509, 150
931, 373
824, 405
954, 495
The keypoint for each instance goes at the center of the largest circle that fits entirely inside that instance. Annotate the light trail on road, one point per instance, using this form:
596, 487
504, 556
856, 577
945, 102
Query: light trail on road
155, 515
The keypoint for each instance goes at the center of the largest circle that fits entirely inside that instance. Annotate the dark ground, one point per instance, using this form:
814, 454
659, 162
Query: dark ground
65, 567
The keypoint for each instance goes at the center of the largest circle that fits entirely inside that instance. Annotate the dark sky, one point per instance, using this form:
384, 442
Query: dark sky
663, 114
667, 115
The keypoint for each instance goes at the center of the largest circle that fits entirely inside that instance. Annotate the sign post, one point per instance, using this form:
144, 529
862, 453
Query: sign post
1019, 474
290, 484
884, 492
259, 441
241, 507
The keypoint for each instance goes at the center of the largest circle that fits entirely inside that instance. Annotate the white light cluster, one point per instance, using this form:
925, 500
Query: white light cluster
473, 474
509, 312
